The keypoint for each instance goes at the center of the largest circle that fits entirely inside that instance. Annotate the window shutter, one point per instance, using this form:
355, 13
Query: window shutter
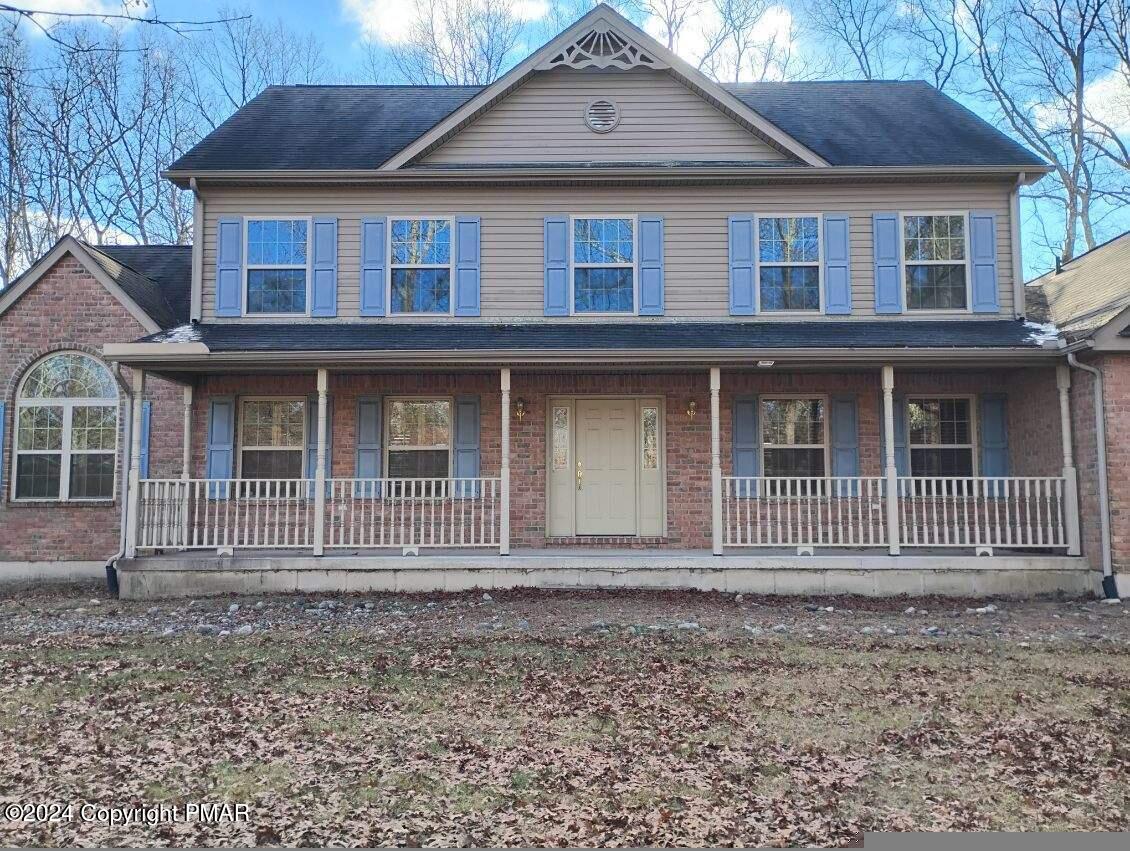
745, 451
902, 448
994, 436
323, 299
888, 281
2, 448
742, 301
837, 265
556, 265
467, 266
146, 424
373, 267
983, 253
369, 454
229, 267
845, 436
651, 265
221, 444
312, 436
466, 440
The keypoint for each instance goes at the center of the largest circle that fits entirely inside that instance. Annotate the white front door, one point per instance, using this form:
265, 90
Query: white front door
606, 467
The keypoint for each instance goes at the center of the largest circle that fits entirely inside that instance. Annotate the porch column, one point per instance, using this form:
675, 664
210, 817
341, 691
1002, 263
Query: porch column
1070, 477
133, 489
320, 468
890, 470
186, 464
504, 520
716, 459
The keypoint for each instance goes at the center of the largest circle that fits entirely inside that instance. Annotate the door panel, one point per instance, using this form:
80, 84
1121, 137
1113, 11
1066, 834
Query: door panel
606, 453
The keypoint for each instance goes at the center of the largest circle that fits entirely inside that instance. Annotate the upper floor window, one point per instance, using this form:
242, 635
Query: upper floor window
66, 430
277, 266
788, 255
941, 437
934, 251
604, 268
272, 438
793, 437
420, 271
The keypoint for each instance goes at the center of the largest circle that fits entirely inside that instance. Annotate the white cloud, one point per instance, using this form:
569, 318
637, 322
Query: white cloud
391, 20
1107, 100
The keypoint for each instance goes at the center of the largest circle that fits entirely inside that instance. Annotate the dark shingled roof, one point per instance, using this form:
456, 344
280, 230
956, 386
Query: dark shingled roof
862, 123
157, 277
619, 336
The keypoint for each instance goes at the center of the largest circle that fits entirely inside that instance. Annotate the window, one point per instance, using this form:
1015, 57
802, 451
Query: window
420, 271
788, 262
560, 438
604, 268
934, 251
793, 437
650, 438
66, 430
277, 265
941, 437
419, 439
272, 438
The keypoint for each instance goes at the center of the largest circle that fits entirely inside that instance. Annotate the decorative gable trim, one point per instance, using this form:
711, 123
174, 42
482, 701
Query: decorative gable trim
593, 39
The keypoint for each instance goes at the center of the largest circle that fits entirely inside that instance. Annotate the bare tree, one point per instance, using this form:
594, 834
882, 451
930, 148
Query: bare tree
672, 16
865, 29
935, 47
741, 42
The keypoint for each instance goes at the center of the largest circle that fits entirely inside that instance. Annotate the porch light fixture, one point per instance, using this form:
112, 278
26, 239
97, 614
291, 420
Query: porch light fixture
520, 408
692, 409
765, 364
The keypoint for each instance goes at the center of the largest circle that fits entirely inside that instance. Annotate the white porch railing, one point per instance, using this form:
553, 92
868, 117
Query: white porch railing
803, 512
280, 513
971, 512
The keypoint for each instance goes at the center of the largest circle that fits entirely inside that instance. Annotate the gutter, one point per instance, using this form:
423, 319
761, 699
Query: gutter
1109, 589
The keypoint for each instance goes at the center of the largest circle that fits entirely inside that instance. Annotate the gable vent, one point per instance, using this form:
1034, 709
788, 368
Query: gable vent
602, 116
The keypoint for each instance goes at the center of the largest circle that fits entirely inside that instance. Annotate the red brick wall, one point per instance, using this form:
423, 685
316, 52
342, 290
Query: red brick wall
67, 309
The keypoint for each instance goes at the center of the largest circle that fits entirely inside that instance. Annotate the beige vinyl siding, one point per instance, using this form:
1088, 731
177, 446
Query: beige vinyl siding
660, 119
696, 232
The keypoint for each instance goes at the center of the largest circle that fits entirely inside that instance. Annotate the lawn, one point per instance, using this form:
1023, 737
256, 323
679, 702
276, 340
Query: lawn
523, 722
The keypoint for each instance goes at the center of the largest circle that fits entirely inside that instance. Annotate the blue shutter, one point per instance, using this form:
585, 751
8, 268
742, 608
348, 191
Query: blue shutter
742, 301
994, 438
467, 266
888, 281
323, 299
745, 450
2, 448
221, 444
312, 435
146, 424
556, 265
466, 463
373, 267
845, 437
369, 453
983, 254
229, 267
902, 448
837, 265
651, 265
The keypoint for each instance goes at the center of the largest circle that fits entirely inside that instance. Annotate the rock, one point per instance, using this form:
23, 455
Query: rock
168, 631
689, 625
780, 628
923, 612
823, 628
370, 606
828, 609
811, 607
327, 604
523, 624
208, 629
931, 630
739, 597
1023, 644
1112, 601
260, 605
80, 610
889, 631
487, 598
224, 632
233, 608
910, 611
752, 629
96, 602
867, 630
192, 604
246, 629
153, 610
318, 613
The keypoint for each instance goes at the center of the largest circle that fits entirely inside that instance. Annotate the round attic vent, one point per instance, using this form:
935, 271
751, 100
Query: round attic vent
602, 116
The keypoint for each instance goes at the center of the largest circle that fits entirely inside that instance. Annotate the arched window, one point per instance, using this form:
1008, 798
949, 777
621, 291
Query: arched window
66, 433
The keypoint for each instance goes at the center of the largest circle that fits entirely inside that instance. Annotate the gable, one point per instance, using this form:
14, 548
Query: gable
661, 120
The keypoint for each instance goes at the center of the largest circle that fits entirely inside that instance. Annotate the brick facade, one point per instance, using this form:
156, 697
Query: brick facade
68, 310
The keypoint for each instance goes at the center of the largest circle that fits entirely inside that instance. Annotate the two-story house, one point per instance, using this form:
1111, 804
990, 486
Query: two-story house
601, 322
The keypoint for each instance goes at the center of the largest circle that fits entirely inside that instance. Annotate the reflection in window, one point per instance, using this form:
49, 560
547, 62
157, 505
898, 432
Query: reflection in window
419, 439
560, 438
792, 437
941, 437
788, 251
272, 438
276, 265
603, 265
934, 251
421, 265
650, 438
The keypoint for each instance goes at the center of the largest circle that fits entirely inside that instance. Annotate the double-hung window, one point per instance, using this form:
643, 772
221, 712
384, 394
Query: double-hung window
66, 430
934, 254
604, 264
420, 271
941, 436
418, 438
272, 438
793, 437
277, 266
788, 262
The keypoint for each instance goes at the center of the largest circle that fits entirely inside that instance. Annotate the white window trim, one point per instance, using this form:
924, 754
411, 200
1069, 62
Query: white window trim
634, 265
248, 266
903, 264
241, 447
761, 445
974, 425
757, 264
386, 433
450, 265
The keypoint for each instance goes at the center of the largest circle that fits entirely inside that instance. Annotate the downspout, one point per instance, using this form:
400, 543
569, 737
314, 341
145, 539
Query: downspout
196, 291
111, 570
1109, 590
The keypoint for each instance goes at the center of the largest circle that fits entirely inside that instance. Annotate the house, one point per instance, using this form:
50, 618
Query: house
1087, 300
603, 322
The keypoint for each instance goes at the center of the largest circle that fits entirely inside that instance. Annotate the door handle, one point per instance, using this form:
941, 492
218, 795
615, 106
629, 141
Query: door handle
580, 475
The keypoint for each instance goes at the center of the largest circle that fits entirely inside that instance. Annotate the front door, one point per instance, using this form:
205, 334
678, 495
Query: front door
606, 467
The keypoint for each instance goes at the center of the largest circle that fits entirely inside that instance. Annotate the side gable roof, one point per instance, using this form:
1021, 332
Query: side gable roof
1088, 292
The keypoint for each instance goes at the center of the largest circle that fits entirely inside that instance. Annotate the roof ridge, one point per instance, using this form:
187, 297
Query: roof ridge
159, 290
1101, 245
372, 86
